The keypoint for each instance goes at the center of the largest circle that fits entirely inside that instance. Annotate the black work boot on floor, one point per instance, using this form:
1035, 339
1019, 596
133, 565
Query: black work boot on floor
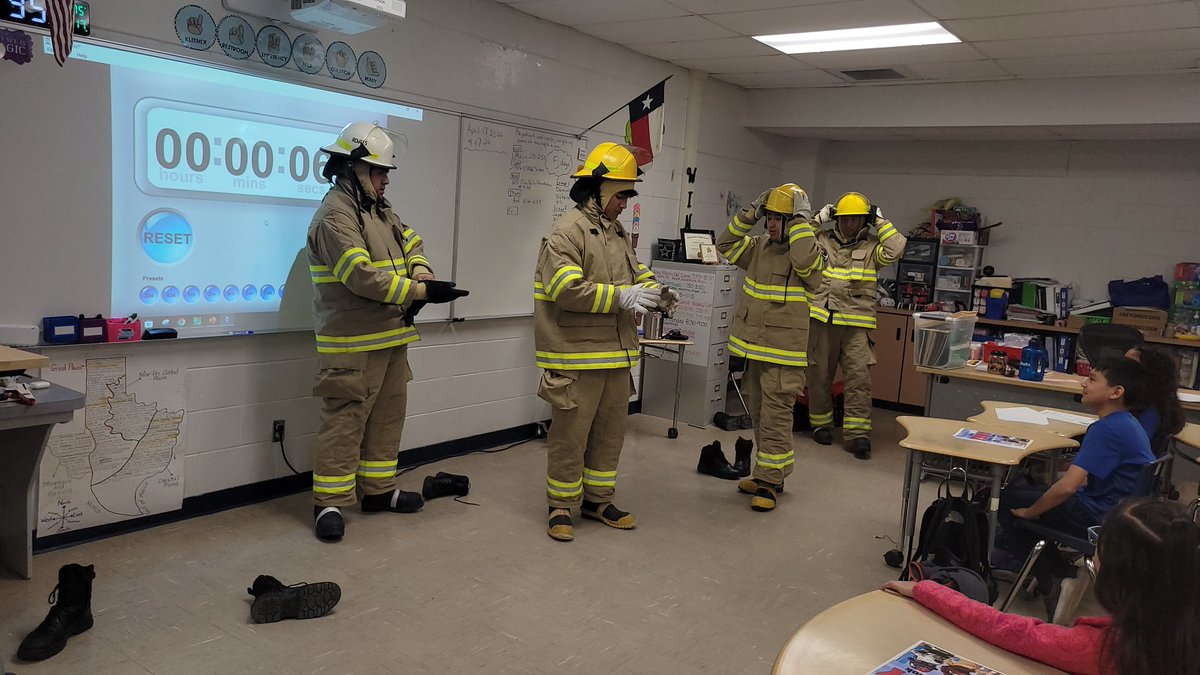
713, 462
274, 602
823, 435
743, 449
859, 447
397, 501
70, 615
328, 523
445, 484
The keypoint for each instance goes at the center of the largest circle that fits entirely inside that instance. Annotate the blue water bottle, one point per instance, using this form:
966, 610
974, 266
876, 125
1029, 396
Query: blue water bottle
1034, 360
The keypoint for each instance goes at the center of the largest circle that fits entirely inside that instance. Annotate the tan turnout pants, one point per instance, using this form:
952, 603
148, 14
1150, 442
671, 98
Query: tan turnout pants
363, 399
850, 347
588, 409
770, 391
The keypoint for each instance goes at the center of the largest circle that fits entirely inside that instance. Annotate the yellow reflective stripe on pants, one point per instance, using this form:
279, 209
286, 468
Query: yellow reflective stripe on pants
556, 488
776, 461
861, 423
855, 320
599, 478
377, 469
333, 484
820, 419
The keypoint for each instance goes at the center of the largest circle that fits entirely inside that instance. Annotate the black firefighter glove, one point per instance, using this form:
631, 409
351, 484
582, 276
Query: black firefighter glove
438, 292
411, 312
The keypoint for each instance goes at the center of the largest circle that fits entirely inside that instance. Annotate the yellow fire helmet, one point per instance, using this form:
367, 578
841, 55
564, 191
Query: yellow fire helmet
783, 198
610, 161
853, 204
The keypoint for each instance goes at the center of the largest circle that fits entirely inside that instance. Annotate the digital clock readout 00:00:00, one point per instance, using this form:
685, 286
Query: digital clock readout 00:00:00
209, 153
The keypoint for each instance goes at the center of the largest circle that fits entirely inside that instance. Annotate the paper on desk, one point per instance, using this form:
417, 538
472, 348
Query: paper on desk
1022, 414
1188, 397
1081, 420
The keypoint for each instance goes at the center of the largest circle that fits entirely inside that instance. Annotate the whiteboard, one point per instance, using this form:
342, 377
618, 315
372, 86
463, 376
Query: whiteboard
514, 182
108, 169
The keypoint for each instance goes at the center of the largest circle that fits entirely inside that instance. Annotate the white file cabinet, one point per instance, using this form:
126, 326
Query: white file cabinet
707, 294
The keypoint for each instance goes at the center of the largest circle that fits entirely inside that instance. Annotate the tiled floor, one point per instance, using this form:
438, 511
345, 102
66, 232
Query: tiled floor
703, 585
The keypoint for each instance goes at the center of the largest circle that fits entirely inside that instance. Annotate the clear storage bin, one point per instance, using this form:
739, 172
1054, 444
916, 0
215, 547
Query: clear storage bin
943, 340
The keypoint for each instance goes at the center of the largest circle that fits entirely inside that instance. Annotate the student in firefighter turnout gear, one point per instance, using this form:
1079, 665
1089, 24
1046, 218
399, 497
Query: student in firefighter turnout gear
770, 327
589, 289
370, 278
843, 314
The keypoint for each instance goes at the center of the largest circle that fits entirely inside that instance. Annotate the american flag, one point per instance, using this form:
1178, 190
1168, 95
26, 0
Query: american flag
62, 26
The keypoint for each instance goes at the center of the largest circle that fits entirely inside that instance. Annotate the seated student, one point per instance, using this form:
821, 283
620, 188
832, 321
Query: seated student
1103, 473
1146, 562
1161, 413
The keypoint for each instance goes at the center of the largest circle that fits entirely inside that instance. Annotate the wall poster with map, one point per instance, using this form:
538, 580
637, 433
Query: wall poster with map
121, 457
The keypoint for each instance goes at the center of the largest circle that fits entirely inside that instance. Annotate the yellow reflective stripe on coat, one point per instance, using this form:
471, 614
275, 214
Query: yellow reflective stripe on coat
415, 260
605, 293
851, 273
860, 423
599, 478
561, 278
341, 344
398, 292
738, 249
775, 293
410, 242
321, 275
800, 231
333, 485
349, 259
586, 360
782, 357
738, 228
377, 468
776, 461
644, 273
820, 419
819, 313
886, 231
816, 266
557, 488
539, 292
853, 320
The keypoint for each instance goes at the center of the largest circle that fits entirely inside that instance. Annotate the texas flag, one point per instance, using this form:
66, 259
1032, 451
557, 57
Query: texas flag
645, 128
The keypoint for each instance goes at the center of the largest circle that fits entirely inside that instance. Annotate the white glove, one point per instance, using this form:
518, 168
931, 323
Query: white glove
800, 204
879, 219
669, 300
759, 205
638, 298
825, 215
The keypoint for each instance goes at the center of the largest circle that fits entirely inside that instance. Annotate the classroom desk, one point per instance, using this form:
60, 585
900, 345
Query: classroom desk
855, 636
24, 430
955, 392
673, 432
936, 436
1068, 429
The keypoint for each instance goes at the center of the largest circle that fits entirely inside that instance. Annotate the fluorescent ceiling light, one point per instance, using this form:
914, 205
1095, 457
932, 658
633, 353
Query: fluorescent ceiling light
875, 37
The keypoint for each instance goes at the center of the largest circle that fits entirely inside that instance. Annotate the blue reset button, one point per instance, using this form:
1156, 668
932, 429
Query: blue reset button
166, 236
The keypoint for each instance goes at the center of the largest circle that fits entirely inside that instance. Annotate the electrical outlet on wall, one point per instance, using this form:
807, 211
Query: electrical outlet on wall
277, 431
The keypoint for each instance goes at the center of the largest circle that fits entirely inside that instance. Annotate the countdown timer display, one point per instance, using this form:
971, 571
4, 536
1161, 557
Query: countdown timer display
197, 149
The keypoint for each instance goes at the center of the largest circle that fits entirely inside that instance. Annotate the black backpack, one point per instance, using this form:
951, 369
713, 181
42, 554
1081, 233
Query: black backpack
954, 533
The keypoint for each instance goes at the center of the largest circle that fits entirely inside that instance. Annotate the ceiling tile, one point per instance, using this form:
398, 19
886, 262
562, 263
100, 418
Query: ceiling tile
853, 14
883, 58
579, 12
700, 49
1165, 40
744, 64
964, 9
1102, 64
781, 80
1090, 22
959, 71
722, 6
632, 32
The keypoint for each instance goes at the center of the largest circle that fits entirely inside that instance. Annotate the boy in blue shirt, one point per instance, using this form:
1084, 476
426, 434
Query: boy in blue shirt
1104, 472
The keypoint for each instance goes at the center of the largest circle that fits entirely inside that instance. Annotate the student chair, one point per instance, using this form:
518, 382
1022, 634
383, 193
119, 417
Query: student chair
1148, 484
1100, 341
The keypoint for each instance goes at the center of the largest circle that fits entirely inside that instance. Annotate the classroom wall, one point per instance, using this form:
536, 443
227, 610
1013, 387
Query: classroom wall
1082, 212
475, 56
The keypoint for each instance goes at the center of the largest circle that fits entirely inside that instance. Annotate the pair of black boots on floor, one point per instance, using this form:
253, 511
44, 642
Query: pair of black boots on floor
713, 461
329, 525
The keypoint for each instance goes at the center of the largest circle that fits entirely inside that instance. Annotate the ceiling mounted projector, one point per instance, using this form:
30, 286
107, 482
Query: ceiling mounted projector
347, 16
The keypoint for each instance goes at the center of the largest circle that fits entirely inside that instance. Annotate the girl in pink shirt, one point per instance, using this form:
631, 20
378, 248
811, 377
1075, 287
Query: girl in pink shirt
1149, 583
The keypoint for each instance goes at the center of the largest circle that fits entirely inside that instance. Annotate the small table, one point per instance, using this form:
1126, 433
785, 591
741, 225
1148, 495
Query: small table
673, 432
24, 430
863, 632
936, 436
1060, 427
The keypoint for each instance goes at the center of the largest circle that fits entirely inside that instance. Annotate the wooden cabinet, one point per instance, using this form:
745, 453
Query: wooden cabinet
894, 377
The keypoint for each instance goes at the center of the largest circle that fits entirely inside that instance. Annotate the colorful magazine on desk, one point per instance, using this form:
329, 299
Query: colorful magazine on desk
926, 658
1014, 442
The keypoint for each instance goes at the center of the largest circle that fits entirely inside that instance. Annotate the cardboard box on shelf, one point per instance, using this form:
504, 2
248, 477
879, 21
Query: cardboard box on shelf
1148, 320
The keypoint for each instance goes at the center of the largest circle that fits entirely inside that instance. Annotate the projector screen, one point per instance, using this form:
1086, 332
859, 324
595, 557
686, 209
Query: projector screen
213, 178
